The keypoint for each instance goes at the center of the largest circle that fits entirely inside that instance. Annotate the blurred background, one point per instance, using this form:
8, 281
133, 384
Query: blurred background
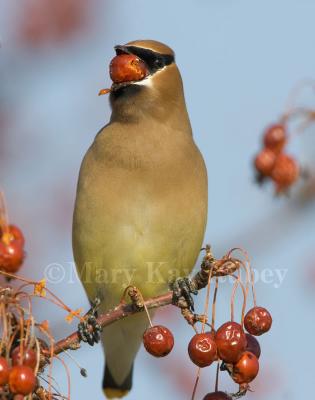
239, 60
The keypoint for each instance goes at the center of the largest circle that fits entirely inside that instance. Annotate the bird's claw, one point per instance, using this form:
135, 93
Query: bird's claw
182, 293
89, 330
243, 389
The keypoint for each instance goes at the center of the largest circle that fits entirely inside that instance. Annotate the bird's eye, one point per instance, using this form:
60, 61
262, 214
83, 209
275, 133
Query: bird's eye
158, 63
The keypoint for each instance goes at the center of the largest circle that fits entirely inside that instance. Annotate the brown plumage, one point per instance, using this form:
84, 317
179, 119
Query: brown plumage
141, 203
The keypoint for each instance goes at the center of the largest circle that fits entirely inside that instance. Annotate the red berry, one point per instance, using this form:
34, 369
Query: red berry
127, 68
285, 172
13, 233
275, 137
265, 161
4, 371
158, 341
231, 342
217, 396
29, 357
258, 321
17, 234
246, 369
202, 349
22, 380
253, 345
11, 256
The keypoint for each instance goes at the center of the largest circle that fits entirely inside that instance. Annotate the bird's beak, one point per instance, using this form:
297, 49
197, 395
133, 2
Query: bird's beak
125, 69
121, 50
104, 91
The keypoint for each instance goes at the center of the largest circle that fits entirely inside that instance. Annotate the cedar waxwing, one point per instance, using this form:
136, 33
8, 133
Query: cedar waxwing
141, 205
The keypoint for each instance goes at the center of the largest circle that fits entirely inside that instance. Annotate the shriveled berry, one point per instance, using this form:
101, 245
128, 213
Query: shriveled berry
158, 341
253, 345
11, 256
275, 137
202, 349
127, 68
22, 380
231, 341
258, 321
217, 396
29, 357
246, 369
4, 371
265, 161
285, 172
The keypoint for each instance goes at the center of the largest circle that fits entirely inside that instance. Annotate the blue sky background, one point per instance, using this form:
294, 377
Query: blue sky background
239, 60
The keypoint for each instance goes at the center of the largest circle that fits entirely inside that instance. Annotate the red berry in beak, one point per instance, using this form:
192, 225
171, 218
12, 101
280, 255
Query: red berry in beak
127, 68
258, 321
202, 349
158, 341
18, 397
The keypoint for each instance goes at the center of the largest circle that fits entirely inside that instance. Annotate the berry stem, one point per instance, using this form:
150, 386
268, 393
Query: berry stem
196, 384
146, 309
216, 387
148, 314
67, 372
214, 302
235, 286
249, 271
4, 218
37, 356
293, 111
3, 316
295, 93
207, 301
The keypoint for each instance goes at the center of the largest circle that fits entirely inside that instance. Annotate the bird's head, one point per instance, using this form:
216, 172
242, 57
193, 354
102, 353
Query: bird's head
145, 80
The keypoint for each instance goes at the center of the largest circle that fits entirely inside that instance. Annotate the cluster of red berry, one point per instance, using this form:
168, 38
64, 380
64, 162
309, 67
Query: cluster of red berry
234, 350
41, 23
238, 351
273, 163
23, 354
18, 372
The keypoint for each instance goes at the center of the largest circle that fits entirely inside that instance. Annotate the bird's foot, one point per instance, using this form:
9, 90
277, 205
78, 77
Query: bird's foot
243, 389
226, 367
183, 289
89, 330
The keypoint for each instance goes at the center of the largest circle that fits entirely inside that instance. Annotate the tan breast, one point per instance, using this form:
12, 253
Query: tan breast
140, 211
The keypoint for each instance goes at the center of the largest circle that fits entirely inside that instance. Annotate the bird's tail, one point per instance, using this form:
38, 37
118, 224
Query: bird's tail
113, 390
121, 342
